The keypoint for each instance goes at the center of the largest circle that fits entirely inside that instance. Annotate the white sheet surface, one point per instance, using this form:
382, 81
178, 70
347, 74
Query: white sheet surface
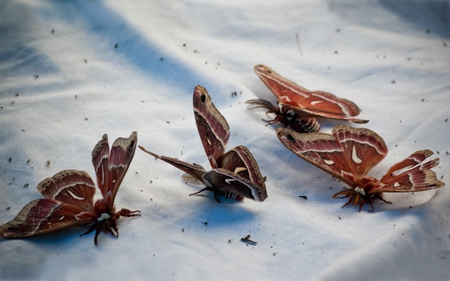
63, 84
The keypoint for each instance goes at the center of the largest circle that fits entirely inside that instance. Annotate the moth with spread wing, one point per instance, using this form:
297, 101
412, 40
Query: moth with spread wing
235, 174
349, 153
69, 196
298, 107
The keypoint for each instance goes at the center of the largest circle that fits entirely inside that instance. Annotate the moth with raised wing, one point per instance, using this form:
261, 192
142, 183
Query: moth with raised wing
349, 153
235, 174
298, 107
69, 196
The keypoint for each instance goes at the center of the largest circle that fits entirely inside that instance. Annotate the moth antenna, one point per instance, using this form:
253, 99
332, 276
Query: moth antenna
149, 152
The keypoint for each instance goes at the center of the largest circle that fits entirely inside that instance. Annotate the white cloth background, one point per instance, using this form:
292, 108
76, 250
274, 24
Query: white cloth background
63, 84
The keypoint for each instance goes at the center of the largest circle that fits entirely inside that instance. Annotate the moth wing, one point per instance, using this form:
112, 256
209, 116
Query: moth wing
234, 186
194, 170
322, 150
324, 104
70, 187
316, 103
189, 179
363, 148
122, 152
240, 161
412, 174
43, 216
212, 127
100, 160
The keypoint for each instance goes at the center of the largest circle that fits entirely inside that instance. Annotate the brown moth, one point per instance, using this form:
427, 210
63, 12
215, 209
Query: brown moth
235, 174
298, 107
69, 196
349, 153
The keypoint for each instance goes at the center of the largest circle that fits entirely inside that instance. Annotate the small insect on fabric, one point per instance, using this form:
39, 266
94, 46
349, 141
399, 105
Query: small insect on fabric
298, 107
235, 174
69, 196
349, 153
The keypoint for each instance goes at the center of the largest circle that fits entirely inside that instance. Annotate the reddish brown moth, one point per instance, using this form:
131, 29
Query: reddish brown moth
235, 174
349, 153
69, 196
298, 107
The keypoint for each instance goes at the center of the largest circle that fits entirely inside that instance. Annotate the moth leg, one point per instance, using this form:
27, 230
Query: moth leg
127, 213
216, 197
370, 203
348, 202
92, 228
104, 226
379, 196
98, 227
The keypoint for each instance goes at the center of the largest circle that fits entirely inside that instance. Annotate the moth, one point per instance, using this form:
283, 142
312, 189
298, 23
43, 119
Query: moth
349, 153
69, 196
235, 174
298, 107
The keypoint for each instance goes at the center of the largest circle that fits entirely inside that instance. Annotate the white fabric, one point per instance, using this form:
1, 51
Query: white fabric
64, 84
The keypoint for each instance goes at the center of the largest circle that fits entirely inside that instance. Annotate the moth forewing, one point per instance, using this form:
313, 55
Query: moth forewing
120, 157
43, 216
100, 160
320, 149
362, 148
211, 125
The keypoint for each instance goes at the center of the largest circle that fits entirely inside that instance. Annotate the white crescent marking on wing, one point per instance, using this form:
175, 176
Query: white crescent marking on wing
402, 170
316, 102
355, 157
328, 161
239, 169
75, 196
229, 181
285, 98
